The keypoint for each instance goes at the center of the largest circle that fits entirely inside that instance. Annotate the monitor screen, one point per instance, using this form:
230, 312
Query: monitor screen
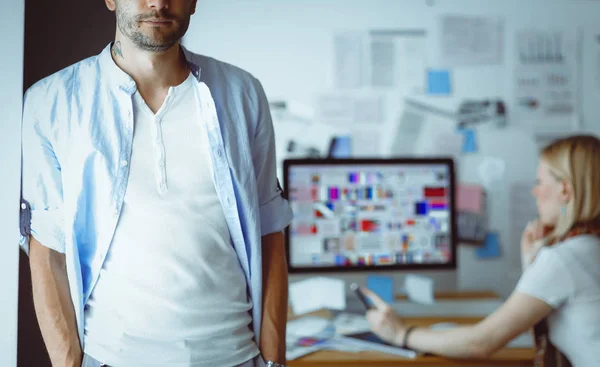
370, 214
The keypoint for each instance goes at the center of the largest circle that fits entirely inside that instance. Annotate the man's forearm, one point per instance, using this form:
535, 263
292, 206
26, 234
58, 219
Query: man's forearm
275, 298
53, 306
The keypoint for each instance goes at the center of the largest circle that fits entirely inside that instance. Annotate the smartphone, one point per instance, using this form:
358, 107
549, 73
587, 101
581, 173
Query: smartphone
361, 296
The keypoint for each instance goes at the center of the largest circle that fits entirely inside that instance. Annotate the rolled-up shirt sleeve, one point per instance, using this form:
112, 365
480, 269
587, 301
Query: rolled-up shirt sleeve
274, 209
42, 179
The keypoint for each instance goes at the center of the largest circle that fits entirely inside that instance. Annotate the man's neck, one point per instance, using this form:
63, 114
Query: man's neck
156, 70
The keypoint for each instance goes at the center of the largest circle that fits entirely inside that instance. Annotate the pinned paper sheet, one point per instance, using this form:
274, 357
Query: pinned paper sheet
398, 59
472, 219
317, 293
348, 51
438, 82
438, 137
469, 198
407, 132
366, 142
546, 82
490, 248
344, 110
383, 286
419, 289
522, 208
491, 170
447, 143
471, 40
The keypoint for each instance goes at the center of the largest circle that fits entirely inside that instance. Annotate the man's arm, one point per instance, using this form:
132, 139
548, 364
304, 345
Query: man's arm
44, 240
275, 298
53, 305
275, 214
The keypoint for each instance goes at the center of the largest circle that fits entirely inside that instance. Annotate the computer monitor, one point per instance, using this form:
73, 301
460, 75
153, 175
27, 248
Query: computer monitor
370, 214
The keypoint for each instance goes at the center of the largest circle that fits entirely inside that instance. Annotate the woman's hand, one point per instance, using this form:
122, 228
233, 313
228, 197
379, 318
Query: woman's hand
384, 322
531, 241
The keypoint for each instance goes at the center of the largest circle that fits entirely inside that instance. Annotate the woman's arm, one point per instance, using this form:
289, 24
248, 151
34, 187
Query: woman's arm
518, 314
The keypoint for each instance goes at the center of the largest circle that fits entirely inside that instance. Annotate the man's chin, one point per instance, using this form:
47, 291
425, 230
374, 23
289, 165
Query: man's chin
157, 46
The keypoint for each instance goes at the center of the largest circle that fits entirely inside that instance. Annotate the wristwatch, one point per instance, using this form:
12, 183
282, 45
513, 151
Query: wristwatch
273, 364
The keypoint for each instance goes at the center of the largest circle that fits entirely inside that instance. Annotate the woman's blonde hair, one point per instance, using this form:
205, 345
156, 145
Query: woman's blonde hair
576, 159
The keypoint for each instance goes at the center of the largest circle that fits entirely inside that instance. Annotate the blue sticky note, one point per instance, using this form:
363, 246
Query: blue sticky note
383, 286
341, 147
438, 82
490, 248
469, 141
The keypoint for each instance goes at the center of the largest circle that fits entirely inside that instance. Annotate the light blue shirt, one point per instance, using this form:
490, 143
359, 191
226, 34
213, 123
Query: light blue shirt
77, 140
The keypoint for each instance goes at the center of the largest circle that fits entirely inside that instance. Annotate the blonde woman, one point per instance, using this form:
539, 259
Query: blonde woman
559, 291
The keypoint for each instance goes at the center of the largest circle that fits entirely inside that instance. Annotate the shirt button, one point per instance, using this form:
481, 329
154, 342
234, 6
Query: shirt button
124, 163
23, 206
229, 200
219, 153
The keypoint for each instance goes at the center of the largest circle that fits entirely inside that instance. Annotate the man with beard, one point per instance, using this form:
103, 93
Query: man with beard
151, 209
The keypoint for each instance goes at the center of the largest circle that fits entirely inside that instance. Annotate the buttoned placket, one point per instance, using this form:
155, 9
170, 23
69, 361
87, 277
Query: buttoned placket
222, 175
159, 159
124, 157
159, 155
209, 114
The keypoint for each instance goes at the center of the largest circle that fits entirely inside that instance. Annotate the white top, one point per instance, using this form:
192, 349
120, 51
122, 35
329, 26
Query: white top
567, 277
171, 291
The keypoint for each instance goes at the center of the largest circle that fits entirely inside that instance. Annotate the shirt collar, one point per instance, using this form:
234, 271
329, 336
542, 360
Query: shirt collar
124, 81
194, 68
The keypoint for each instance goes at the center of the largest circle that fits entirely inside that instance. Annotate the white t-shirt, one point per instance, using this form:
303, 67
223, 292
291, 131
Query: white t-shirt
567, 277
171, 291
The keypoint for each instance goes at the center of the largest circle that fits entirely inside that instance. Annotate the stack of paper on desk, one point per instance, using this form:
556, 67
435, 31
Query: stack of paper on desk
307, 326
369, 341
349, 323
295, 351
317, 293
318, 328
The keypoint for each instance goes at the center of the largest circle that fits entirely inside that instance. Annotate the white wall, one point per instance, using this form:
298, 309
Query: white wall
287, 45
11, 90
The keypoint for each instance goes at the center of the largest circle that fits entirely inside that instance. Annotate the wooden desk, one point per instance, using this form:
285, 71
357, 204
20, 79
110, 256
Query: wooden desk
505, 357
